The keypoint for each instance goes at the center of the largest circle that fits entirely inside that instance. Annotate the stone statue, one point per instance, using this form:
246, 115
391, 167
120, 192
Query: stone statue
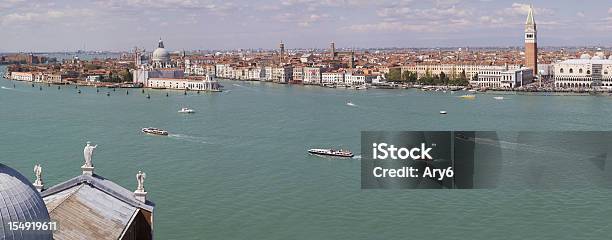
140, 177
38, 174
88, 153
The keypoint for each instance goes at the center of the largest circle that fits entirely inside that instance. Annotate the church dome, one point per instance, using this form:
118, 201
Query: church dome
161, 54
20, 202
585, 56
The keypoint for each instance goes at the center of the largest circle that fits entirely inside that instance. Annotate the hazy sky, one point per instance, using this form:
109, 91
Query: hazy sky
32, 25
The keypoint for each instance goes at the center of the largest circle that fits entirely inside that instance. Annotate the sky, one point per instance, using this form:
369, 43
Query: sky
118, 25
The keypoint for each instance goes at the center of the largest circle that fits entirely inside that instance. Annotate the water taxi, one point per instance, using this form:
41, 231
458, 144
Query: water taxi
498, 98
331, 152
186, 110
443, 112
155, 131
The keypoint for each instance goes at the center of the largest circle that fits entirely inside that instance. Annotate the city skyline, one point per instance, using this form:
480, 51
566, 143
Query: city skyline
200, 24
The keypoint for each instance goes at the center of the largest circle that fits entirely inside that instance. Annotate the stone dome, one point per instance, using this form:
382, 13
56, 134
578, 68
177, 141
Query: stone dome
161, 54
585, 56
20, 202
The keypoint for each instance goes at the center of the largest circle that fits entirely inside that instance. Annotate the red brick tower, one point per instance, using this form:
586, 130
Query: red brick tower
531, 43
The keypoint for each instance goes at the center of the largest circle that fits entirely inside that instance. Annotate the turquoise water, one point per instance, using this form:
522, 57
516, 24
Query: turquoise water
237, 169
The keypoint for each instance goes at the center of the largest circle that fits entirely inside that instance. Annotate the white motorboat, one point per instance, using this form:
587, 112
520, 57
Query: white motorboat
186, 110
498, 98
349, 103
155, 131
443, 112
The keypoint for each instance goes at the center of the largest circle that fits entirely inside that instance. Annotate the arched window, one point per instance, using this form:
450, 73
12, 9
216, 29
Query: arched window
561, 70
571, 70
580, 70
588, 71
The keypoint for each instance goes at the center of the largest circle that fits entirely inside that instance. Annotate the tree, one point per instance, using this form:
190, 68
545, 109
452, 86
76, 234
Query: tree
394, 75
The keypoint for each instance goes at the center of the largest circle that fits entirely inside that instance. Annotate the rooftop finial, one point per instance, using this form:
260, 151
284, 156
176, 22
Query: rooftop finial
88, 155
161, 43
38, 183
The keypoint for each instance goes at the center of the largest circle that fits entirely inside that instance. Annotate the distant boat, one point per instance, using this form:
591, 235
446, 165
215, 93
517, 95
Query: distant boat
468, 96
155, 131
443, 112
349, 103
498, 98
186, 110
331, 152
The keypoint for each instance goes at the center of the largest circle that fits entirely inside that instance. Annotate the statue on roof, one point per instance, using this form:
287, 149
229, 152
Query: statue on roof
140, 177
88, 154
38, 174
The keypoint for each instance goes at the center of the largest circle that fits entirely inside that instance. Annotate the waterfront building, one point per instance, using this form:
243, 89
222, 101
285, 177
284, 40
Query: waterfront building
450, 70
586, 72
355, 79
298, 74
332, 77
22, 76
531, 43
502, 77
312, 75
161, 74
206, 84
282, 74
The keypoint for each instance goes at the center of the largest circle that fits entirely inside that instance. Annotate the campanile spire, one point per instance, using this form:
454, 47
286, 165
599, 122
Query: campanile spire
531, 43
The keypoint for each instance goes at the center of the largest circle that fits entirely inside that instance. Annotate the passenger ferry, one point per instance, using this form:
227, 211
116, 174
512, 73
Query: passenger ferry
155, 131
331, 152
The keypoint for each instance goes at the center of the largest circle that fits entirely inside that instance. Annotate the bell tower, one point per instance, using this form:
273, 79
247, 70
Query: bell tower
531, 43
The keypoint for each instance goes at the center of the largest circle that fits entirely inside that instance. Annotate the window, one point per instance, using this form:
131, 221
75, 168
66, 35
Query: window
580, 70
588, 71
571, 70
561, 70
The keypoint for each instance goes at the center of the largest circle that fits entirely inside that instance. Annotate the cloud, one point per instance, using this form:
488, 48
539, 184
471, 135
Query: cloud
522, 9
387, 27
21, 18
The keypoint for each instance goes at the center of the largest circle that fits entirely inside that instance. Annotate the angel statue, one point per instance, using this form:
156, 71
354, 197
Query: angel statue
140, 177
38, 174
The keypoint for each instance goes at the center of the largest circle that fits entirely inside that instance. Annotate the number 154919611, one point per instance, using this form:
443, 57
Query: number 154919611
32, 226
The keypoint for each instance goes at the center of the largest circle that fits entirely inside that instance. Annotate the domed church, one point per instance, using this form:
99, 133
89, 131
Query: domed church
161, 56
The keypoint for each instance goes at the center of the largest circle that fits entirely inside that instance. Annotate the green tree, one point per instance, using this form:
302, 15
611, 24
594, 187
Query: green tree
394, 75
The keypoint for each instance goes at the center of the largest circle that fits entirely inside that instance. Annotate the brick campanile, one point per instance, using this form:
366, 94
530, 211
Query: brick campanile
531, 43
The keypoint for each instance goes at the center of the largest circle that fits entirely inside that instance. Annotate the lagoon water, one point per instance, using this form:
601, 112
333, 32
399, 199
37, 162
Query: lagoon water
237, 169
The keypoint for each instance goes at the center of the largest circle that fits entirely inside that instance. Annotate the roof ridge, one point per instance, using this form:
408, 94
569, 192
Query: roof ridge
66, 198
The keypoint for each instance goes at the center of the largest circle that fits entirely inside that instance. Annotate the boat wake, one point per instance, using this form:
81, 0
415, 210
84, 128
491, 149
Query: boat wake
188, 138
357, 157
7, 88
350, 104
